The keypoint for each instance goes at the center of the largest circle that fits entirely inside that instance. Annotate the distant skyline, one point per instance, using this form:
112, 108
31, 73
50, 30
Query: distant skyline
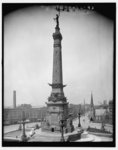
87, 56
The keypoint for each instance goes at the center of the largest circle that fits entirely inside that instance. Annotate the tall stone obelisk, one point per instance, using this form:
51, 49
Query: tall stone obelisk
57, 106
57, 78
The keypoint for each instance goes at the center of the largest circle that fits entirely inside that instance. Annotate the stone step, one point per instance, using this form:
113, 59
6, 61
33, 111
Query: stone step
44, 138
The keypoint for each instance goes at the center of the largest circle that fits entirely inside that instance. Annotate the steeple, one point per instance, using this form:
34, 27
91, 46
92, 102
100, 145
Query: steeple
92, 109
84, 107
14, 99
92, 105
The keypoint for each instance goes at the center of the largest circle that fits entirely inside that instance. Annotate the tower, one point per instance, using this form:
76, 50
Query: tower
92, 109
84, 107
57, 105
14, 99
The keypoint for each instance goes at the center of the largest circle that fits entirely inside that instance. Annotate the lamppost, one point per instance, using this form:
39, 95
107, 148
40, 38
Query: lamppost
79, 115
103, 124
62, 131
20, 127
23, 137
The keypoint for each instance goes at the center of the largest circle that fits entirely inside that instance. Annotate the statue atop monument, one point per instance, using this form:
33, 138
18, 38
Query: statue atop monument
57, 20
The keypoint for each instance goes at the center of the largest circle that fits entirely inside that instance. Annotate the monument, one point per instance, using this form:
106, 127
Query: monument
57, 105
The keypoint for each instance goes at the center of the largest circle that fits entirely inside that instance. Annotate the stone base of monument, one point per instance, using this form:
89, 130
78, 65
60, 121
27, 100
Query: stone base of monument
99, 132
56, 128
84, 135
50, 129
74, 136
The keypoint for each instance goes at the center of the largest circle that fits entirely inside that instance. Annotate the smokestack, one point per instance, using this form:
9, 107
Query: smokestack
14, 99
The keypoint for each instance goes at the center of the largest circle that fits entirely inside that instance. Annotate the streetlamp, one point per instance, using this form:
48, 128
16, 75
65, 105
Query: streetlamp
62, 131
103, 124
23, 137
79, 115
20, 127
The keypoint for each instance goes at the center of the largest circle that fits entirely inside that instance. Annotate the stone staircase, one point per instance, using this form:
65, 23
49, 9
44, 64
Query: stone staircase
44, 138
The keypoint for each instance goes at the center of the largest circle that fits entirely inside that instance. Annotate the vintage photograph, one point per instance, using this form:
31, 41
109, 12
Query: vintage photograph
58, 74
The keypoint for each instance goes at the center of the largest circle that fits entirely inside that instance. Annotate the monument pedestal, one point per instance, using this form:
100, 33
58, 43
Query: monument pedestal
55, 112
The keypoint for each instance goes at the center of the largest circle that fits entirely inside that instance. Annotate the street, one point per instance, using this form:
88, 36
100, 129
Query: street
85, 123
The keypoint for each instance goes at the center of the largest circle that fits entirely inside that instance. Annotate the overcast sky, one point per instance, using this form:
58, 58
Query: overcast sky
87, 54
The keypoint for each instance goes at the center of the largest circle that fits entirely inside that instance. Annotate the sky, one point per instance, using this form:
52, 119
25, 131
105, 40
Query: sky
87, 56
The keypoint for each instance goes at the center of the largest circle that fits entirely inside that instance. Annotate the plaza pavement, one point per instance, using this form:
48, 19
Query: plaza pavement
85, 123
49, 136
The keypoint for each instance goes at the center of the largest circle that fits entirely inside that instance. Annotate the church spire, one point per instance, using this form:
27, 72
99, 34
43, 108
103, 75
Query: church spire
92, 105
92, 109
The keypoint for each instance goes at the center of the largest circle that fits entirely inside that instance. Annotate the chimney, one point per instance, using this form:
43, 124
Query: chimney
14, 99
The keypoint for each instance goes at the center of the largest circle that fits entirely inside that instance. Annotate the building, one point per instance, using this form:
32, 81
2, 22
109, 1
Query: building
111, 111
14, 115
100, 115
111, 106
104, 114
57, 105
